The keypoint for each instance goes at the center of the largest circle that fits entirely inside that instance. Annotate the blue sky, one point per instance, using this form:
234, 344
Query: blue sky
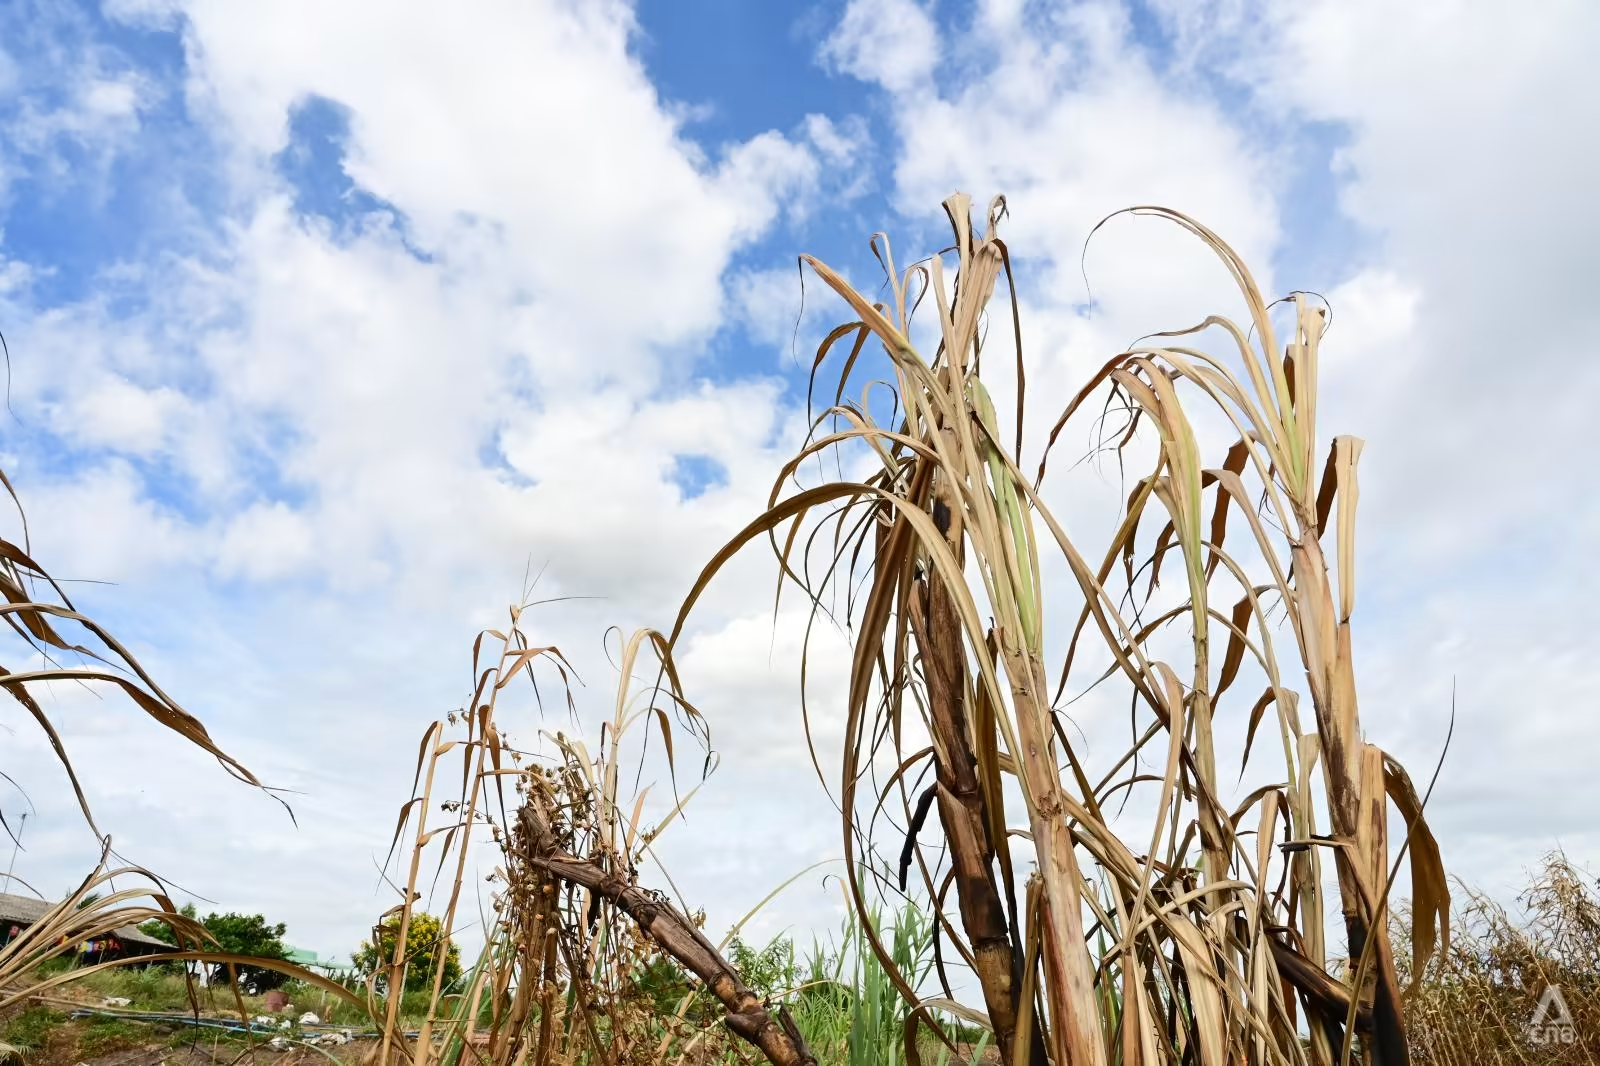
328, 320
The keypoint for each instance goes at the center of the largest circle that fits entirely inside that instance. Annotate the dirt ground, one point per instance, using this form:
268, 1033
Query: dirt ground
62, 1050
121, 1042
64, 1047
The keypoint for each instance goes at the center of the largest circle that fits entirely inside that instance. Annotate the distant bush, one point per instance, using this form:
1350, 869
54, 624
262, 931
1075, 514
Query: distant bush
424, 938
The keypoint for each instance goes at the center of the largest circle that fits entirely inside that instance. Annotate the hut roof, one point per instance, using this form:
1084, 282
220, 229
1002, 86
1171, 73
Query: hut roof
25, 910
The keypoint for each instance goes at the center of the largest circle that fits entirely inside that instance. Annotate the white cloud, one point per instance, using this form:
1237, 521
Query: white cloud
528, 137
67, 109
1377, 312
265, 542
115, 413
1064, 115
100, 109
751, 667
348, 455
772, 307
894, 43
100, 524
10, 74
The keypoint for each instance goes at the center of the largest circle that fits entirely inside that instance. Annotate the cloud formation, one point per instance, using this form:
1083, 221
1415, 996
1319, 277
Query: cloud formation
479, 355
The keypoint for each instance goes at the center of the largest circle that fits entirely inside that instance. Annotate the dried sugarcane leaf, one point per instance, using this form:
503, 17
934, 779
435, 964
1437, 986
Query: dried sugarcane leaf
1430, 889
1238, 454
1347, 452
1233, 657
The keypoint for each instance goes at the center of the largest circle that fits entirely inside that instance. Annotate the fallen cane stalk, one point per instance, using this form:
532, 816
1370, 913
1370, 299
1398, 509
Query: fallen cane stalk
777, 1038
1330, 997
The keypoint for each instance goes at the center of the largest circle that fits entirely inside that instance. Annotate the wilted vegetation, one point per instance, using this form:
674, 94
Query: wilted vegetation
73, 648
1204, 939
1051, 907
1488, 999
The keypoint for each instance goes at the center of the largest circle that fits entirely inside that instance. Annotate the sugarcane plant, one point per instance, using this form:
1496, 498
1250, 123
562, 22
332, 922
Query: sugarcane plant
571, 936
1202, 939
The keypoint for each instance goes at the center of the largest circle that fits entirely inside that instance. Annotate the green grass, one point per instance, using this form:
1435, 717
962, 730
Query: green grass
843, 999
101, 1036
150, 989
162, 989
29, 1030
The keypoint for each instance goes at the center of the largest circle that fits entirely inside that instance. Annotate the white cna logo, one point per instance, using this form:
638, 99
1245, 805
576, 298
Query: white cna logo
1552, 1021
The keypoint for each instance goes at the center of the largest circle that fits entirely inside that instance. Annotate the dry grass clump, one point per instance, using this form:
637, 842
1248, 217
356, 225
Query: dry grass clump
584, 965
1479, 1001
581, 964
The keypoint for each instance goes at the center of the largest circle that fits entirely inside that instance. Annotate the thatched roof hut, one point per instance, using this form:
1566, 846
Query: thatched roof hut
19, 912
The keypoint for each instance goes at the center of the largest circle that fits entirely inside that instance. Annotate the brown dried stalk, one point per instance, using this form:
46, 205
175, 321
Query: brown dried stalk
777, 1038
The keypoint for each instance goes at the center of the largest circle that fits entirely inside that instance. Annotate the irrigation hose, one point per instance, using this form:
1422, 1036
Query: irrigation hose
220, 1024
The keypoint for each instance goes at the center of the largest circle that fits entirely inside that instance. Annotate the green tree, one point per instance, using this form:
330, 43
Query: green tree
236, 934
155, 927
248, 934
424, 938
